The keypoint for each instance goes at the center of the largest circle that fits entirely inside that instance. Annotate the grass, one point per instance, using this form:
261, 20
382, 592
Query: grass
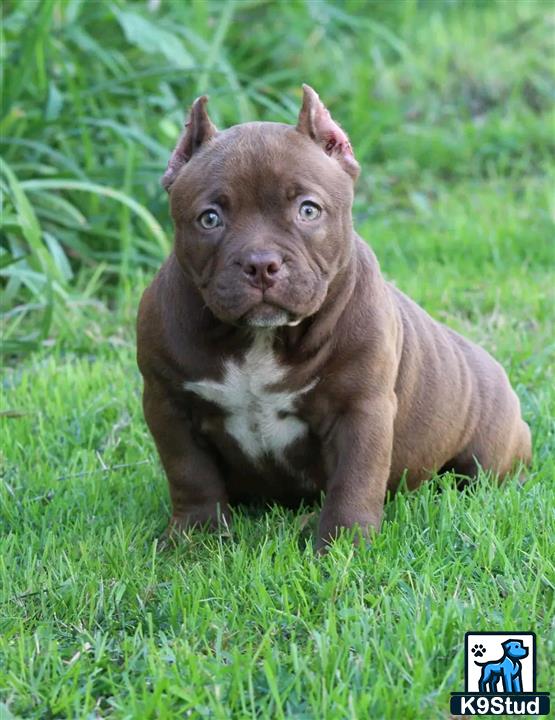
450, 110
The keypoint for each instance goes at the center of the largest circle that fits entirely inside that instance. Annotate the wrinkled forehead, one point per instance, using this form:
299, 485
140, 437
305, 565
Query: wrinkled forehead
262, 161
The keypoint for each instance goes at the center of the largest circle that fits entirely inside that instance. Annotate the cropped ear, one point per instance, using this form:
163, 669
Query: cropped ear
198, 130
316, 122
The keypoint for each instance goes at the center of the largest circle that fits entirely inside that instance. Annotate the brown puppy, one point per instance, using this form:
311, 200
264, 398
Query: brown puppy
277, 361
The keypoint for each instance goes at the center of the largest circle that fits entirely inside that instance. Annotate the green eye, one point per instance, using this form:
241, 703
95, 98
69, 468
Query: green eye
309, 211
210, 219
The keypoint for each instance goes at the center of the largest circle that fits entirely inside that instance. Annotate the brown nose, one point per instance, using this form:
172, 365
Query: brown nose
262, 268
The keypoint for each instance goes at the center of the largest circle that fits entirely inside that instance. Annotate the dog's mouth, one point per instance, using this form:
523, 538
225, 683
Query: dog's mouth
267, 315
285, 304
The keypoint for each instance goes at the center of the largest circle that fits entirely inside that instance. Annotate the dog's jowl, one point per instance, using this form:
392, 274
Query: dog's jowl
277, 362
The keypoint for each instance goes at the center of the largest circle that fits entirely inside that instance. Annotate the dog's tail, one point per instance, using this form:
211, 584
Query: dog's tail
487, 662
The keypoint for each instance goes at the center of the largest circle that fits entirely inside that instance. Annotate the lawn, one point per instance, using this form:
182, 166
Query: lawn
449, 106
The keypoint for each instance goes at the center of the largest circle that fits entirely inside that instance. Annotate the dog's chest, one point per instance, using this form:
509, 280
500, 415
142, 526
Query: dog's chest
261, 420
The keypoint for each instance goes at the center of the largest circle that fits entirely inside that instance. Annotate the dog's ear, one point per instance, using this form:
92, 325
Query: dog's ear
316, 122
198, 130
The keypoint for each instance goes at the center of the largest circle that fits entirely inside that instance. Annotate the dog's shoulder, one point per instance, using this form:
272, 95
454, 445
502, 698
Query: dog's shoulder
166, 324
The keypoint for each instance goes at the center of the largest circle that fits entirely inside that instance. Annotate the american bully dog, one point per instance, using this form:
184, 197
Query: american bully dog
278, 363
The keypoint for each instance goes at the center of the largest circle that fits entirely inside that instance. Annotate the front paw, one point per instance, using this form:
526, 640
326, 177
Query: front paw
209, 517
359, 525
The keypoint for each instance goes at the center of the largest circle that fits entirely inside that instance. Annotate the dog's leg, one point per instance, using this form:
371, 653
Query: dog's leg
489, 679
507, 681
358, 459
494, 682
197, 489
499, 458
501, 439
517, 685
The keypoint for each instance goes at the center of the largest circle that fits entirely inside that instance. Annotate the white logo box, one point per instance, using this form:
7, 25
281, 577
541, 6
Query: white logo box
493, 651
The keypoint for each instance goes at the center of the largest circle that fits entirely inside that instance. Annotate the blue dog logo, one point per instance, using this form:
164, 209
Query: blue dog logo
508, 669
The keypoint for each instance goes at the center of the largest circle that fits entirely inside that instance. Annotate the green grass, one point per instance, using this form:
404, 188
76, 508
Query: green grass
450, 110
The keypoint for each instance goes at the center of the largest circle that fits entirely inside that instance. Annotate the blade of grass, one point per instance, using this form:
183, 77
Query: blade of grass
66, 184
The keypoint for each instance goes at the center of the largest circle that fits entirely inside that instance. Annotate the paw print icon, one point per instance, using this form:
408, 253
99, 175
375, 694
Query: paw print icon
478, 650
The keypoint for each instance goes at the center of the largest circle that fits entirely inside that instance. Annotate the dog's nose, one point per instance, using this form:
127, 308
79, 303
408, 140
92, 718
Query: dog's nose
262, 268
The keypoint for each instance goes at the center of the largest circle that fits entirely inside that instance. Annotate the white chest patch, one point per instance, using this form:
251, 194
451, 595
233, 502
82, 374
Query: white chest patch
262, 421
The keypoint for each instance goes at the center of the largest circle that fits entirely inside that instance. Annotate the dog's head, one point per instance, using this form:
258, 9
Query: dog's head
262, 213
515, 649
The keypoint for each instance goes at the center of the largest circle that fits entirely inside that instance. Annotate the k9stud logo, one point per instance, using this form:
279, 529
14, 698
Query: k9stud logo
500, 676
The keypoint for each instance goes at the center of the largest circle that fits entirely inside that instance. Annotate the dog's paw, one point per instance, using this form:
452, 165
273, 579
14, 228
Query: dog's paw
359, 529
212, 518
478, 650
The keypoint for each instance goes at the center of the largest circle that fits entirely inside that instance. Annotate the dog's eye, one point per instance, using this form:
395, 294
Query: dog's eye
210, 219
309, 211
